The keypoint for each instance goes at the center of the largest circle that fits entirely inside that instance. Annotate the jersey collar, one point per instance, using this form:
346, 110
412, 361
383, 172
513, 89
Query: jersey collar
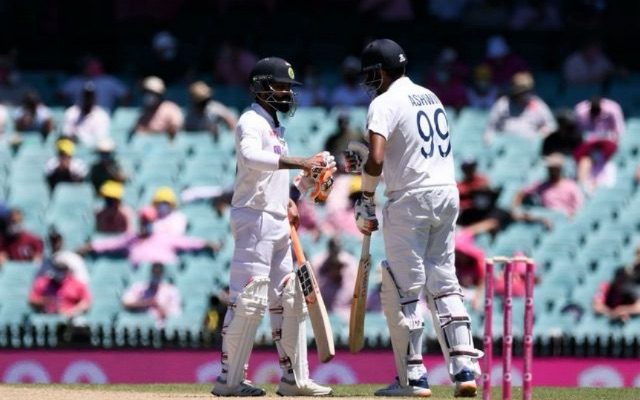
399, 82
263, 113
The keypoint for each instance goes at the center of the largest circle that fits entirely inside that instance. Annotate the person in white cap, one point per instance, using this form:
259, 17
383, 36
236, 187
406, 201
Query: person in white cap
158, 115
206, 114
86, 123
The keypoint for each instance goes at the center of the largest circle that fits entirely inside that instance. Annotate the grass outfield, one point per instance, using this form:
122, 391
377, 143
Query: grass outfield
182, 391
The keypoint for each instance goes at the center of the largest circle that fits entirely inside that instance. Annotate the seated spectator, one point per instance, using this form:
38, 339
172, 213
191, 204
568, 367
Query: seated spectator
157, 115
588, 65
602, 124
518, 282
349, 93
147, 245
206, 114
170, 221
556, 192
340, 205
520, 113
85, 122
469, 262
446, 79
106, 168
482, 93
60, 292
18, 244
233, 64
114, 217
620, 298
157, 297
336, 271
58, 255
338, 141
566, 138
503, 63
33, 115
64, 167
471, 182
307, 215
313, 93
12, 88
109, 90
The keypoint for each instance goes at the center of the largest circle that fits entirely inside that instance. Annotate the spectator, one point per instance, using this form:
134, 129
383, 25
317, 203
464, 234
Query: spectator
4, 119
588, 65
33, 115
107, 167
336, 271
340, 206
446, 79
602, 124
482, 93
206, 114
157, 297
349, 93
233, 64
469, 262
147, 245
18, 244
60, 292
313, 93
556, 193
114, 217
338, 141
170, 221
59, 255
166, 60
86, 123
12, 89
503, 63
64, 167
542, 15
620, 299
108, 89
471, 182
520, 113
566, 138
158, 115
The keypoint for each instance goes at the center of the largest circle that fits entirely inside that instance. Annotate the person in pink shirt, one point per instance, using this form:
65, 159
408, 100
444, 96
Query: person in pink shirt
556, 193
158, 115
170, 220
157, 297
60, 292
602, 124
339, 206
147, 245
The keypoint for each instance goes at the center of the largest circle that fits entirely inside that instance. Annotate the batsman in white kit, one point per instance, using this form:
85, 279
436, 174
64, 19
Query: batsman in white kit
408, 137
262, 269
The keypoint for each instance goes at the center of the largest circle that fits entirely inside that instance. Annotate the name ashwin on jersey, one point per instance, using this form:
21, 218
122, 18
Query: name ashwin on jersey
418, 100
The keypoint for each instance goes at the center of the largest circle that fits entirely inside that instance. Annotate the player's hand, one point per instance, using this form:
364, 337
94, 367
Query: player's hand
292, 214
355, 156
316, 161
365, 213
319, 178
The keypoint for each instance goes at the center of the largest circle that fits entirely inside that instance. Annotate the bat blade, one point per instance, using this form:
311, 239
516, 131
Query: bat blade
359, 303
315, 304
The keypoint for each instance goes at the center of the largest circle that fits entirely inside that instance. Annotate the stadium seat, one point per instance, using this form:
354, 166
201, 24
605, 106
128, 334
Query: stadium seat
136, 329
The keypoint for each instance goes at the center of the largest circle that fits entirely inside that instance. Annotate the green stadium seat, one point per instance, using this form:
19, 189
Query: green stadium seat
45, 328
136, 329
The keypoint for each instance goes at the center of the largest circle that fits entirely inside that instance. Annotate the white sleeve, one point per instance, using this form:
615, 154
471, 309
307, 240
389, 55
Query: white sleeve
250, 148
379, 119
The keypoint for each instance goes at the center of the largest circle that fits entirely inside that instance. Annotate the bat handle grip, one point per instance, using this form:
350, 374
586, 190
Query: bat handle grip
297, 248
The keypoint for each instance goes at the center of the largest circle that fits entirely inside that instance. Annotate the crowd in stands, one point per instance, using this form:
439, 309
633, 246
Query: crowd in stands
585, 137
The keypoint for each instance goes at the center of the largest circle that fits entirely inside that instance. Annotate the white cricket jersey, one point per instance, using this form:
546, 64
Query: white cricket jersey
259, 144
418, 149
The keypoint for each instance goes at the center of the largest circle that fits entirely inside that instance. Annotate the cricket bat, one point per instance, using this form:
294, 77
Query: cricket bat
359, 303
315, 304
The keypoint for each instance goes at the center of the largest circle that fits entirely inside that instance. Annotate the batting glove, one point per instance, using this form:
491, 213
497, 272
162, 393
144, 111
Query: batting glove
355, 156
365, 213
319, 179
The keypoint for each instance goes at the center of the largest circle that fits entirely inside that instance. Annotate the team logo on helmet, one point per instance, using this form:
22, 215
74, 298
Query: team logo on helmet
291, 74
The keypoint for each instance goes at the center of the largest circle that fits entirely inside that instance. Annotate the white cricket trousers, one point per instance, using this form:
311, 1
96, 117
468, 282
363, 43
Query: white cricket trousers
262, 249
418, 228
